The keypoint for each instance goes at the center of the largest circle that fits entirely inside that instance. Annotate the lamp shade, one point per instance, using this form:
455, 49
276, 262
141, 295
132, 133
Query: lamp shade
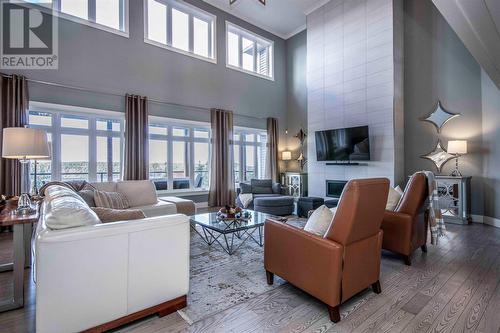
457, 147
286, 155
24, 143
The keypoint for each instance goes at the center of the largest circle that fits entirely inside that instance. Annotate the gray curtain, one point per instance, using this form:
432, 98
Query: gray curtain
13, 113
222, 162
272, 169
136, 138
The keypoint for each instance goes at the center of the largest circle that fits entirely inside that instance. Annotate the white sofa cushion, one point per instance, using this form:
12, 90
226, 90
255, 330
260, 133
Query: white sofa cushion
66, 209
319, 221
138, 192
158, 209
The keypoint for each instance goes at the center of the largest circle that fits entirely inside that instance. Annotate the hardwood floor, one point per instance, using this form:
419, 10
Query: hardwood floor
455, 287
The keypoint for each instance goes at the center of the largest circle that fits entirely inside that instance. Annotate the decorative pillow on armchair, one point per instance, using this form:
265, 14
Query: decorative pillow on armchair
112, 200
393, 198
262, 186
245, 188
319, 221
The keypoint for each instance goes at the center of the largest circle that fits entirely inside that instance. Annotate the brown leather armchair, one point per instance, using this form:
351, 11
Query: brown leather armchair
346, 260
405, 229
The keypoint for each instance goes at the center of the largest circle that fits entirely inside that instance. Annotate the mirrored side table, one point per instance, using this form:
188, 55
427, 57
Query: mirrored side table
454, 199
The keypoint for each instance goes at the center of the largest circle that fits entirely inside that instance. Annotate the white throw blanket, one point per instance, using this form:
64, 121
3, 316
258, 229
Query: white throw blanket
246, 199
435, 218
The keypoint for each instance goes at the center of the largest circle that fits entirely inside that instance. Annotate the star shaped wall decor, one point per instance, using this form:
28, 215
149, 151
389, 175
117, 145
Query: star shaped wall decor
438, 156
439, 117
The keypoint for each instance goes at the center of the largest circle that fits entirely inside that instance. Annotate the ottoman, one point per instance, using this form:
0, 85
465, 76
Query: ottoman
330, 203
282, 205
184, 206
305, 204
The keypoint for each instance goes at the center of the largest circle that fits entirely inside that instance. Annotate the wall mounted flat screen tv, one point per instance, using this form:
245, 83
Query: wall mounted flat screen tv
343, 144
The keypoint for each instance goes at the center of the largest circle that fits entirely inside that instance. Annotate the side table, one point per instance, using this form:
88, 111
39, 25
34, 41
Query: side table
454, 198
22, 227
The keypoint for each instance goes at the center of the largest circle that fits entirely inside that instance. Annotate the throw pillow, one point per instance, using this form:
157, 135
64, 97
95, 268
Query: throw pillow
319, 221
393, 198
88, 197
262, 186
68, 211
113, 215
245, 188
112, 200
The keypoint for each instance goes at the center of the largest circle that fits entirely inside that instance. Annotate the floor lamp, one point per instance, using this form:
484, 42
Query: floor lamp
24, 144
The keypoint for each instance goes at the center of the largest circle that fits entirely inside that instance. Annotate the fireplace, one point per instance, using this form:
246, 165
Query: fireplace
334, 188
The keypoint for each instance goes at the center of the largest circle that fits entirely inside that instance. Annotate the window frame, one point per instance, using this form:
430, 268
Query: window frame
55, 10
242, 32
92, 115
190, 140
241, 143
192, 12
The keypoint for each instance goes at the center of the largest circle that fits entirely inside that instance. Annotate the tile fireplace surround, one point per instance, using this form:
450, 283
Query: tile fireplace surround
354, 78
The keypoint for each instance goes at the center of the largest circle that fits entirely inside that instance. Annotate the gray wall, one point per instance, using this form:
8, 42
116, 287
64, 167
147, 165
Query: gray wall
439, 67
103, 61
491, 141
296, 68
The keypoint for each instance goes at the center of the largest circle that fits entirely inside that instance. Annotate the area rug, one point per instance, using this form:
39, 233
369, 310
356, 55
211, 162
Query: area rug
218, 281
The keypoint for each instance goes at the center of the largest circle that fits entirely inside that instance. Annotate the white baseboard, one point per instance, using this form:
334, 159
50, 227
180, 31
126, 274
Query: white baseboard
477, 218
486, 220
491, 221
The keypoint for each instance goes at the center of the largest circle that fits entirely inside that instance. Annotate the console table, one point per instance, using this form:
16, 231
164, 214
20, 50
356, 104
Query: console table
22, 225
454, 198
295, 183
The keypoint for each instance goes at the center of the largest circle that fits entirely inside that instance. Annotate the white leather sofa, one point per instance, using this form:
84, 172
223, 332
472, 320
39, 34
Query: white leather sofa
97, 273
141, 194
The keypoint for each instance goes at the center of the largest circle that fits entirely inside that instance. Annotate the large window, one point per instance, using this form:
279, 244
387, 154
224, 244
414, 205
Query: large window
248, 52
178, 154
85, 146
109, 15
249, 154
181, 27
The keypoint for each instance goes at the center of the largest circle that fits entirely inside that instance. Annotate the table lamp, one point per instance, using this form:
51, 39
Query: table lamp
457, 148
24, 144
286, 155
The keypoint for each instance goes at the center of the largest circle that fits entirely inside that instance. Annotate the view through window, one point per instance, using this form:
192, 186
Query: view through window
111, 14
181, 27
83, 146
248, 52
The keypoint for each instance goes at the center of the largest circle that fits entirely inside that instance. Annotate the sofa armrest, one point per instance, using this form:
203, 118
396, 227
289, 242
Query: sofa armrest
309, 262
277, 188
124, 267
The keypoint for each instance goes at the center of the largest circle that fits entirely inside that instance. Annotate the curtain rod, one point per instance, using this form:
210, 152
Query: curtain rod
117, 94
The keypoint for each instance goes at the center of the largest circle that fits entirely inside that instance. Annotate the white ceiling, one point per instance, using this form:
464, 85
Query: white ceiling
284, 18
477, 23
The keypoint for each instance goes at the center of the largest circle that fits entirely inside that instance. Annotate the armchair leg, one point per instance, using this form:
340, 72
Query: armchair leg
270, 278
376, 287
407, 260
424, 248
334, 313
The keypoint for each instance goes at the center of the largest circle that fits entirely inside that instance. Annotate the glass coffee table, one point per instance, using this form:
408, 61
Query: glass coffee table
224, 231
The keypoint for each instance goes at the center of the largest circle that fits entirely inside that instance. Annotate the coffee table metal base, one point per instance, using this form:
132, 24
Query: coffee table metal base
227, 239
